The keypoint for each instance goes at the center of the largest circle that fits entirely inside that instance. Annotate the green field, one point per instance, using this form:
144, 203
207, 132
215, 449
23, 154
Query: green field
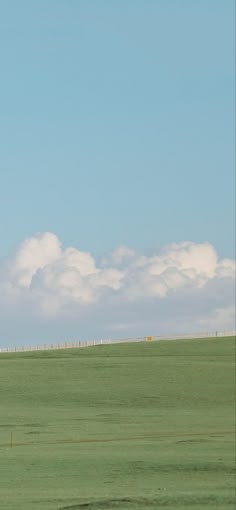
132, 426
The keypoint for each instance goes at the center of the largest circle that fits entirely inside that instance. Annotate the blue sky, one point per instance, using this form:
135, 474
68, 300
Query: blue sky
117, 123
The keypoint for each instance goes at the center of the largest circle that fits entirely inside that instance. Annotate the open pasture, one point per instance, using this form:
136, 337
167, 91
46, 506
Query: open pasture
132, 427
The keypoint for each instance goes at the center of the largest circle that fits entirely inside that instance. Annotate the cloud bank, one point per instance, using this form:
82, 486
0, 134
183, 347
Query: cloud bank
184, 287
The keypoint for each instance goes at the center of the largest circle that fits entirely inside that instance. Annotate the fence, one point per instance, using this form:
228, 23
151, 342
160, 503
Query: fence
89, 343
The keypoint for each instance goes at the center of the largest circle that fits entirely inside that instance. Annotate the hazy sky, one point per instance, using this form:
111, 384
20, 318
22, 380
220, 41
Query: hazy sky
116, 129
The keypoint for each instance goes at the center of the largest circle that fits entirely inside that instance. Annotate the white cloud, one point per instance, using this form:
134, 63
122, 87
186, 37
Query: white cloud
119, 256
226, 268
177, 266
185, 283
220, 316
33, 254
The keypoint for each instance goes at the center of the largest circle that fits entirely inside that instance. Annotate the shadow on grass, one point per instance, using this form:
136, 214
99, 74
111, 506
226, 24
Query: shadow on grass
162, 501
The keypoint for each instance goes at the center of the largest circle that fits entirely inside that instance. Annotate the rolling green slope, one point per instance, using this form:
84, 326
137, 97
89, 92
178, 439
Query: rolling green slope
132, 426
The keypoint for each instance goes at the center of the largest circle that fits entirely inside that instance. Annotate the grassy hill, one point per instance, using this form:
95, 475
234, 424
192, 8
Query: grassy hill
131, 427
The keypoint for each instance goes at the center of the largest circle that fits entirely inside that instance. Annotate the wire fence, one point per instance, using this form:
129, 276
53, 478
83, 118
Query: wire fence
89, 343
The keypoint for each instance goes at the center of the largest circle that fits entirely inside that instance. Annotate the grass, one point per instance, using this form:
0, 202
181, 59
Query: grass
131, 427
